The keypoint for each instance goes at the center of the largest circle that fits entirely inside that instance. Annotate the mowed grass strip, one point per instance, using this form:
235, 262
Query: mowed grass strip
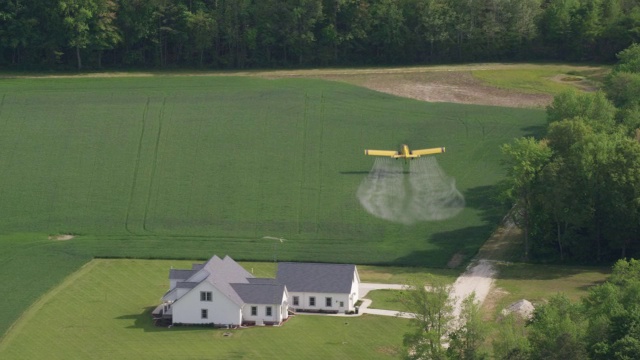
103, 312
538, 282
543, 79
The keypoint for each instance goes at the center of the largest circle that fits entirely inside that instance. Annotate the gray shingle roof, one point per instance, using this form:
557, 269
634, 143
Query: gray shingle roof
315, 277
186, 285
262, 281
178, 274
231, 279
267, 294
223, 272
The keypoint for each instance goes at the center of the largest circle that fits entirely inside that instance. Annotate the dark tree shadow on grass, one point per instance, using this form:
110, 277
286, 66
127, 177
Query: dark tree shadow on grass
485, 199
536, 131
465, 241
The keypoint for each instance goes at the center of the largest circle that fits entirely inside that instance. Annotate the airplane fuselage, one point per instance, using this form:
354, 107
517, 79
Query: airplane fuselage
406, 153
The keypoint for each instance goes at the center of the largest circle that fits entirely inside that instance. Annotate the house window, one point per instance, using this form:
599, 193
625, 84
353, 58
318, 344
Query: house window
254, 311
205, 295
296, 301
341, 303
312, 301
328, 301
204, 313
268, 310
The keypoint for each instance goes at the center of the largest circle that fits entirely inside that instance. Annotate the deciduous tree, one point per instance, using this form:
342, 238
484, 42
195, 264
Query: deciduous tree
524, 161
432, 309
557, 331
511, 343
465, 341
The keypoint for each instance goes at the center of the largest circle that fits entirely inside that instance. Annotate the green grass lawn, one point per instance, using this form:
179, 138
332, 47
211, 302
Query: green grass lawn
371, 274
537, 283
103, 312
543, 79
386, 299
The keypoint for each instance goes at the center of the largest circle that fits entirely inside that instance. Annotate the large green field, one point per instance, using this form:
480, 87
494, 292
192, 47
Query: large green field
185, 167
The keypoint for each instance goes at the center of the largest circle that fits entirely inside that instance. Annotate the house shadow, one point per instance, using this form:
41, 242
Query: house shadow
144, 321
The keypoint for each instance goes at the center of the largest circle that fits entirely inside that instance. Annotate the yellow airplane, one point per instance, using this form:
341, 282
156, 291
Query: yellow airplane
404, 152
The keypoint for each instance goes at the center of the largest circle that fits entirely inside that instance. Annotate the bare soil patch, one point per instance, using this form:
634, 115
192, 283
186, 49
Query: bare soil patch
504, 244
61, 237
444, 86
578, 81
387, 350
491, 302
455, 260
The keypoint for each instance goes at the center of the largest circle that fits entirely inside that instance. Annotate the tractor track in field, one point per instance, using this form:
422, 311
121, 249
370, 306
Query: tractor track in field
156, 149
136, 168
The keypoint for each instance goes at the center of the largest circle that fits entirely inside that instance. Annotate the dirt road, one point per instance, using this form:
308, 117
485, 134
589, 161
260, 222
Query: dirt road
480, 274
478, 278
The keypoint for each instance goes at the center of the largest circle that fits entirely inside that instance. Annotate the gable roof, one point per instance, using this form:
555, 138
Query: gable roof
316, 277
267, 294
223, 272
262, 281
231, 279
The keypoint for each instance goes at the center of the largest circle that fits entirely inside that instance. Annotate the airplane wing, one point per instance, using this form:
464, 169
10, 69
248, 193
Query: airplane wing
428, 151
389, 153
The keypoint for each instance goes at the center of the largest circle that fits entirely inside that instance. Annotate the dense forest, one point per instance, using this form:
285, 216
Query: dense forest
223, 34
576, 192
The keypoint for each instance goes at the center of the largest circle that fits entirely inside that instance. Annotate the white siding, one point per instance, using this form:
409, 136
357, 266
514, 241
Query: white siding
321, 301
221, 310
355, 290
279, 312
284, 307
348, 300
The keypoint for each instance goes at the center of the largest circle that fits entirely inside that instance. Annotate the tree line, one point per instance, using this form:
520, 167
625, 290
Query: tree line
603, 325
285, 33
576, 192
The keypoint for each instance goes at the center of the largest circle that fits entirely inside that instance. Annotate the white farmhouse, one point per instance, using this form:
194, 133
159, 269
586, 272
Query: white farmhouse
320, 287
221, 292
